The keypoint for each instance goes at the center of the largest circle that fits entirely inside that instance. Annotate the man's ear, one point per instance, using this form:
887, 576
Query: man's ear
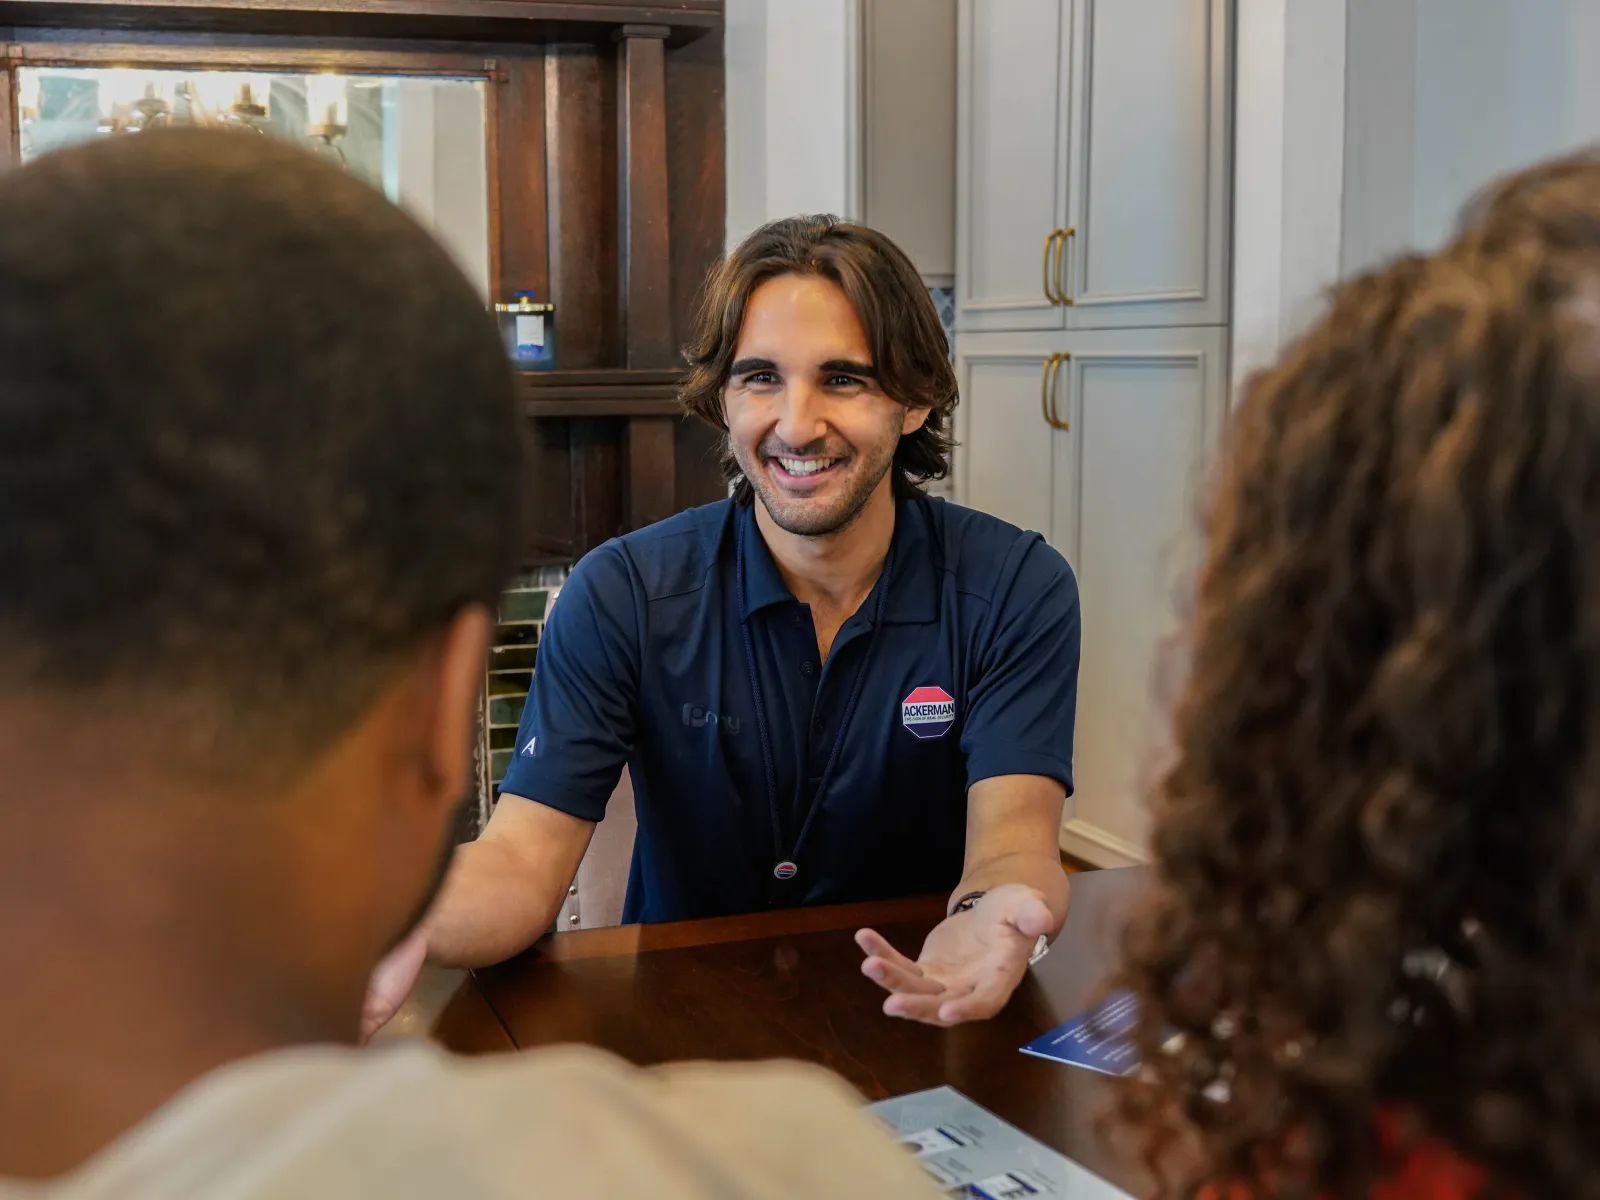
914, 420
459, 679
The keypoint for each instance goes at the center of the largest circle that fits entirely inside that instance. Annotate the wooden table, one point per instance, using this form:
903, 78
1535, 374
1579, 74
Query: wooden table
788, 984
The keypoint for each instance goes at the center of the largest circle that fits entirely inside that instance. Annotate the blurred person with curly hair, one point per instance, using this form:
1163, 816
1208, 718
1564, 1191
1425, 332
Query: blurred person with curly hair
1377, 916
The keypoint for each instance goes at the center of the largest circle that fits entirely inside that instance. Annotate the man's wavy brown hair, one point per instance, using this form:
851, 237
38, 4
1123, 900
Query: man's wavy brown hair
909, 350
1378, 843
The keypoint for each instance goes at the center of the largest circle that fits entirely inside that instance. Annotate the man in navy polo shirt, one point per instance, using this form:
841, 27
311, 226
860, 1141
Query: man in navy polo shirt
829, 687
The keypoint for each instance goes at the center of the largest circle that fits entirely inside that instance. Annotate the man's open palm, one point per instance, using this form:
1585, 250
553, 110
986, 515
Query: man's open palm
970, 963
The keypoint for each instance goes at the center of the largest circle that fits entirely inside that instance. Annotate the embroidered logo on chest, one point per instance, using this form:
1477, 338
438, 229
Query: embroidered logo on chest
928, 712
698, 716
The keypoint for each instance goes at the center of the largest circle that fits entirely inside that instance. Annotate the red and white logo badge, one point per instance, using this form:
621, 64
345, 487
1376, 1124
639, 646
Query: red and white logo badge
928, 712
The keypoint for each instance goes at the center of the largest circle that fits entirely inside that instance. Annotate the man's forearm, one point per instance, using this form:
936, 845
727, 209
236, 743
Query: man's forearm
1039, 871
489, 908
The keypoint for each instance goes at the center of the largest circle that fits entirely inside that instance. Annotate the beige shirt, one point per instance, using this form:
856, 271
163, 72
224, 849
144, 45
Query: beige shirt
408, 1120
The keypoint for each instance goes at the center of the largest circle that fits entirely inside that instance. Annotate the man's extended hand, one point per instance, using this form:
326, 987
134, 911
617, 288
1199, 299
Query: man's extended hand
391, 982
970, 964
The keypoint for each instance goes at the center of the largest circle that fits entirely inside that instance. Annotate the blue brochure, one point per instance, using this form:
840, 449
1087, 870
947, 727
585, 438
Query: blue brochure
1097, 1039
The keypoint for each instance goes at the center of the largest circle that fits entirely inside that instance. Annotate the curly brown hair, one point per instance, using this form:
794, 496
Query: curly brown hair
1378, 843
908, 344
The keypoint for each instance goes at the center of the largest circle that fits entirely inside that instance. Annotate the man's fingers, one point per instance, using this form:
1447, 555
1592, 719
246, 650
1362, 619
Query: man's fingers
395, 976
944, 1004
978, 1005
896, 978
874, 945
391, 982
375, 1014
914, 1008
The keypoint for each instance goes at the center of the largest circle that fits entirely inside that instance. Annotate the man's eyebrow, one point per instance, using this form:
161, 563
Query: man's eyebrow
866, 370
745, 365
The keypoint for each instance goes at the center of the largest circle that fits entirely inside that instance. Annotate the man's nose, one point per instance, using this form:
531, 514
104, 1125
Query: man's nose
800, 419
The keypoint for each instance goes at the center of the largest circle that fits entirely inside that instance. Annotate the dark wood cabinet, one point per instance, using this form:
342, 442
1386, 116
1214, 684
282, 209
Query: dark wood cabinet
604, 141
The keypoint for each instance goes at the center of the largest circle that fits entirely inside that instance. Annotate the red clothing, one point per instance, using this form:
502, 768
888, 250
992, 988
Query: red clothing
1430, 1171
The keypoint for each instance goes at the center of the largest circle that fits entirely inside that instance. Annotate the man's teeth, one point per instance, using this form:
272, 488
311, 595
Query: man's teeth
805, 466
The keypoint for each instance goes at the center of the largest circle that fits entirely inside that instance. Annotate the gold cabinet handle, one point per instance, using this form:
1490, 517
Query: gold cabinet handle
1047, 390
1055, 421
1061, 249
1050, 293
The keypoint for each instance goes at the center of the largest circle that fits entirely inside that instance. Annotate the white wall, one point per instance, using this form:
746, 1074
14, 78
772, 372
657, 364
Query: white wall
791, 105
1363, 126
1490, 96
1447, 94
744, 48
1380, 130
908, 129
1288, 170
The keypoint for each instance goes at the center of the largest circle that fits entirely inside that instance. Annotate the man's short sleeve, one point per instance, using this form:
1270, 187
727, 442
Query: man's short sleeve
577, 728
1023, 702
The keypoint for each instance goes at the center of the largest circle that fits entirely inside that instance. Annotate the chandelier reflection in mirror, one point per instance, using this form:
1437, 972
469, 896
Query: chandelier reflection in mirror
56, 105
419, 139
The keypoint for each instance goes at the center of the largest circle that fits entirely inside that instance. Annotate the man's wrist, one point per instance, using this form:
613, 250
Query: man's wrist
967, 902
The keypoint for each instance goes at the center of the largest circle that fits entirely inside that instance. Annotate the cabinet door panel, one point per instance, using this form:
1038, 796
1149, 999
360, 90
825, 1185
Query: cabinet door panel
1006, 456
1010, 164
1150, 164
1127, 479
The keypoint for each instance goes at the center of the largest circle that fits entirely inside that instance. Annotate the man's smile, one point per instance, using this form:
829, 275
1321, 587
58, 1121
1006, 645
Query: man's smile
802, 472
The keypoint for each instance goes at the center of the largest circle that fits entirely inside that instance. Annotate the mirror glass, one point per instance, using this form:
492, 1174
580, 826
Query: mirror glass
421, 140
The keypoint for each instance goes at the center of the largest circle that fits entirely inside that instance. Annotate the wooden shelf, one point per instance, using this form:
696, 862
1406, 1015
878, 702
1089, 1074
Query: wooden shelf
466, 20
602, 393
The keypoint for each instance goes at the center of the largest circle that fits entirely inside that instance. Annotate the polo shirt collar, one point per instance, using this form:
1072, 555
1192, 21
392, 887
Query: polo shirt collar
913, 587
763, 585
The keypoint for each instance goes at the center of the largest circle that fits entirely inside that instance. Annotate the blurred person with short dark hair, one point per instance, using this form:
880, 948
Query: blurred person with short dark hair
256, 491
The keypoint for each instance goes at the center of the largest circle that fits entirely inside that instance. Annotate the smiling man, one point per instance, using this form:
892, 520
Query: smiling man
828, 687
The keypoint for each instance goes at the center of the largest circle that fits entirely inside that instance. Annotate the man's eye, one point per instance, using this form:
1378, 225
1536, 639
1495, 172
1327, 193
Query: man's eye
761, 377
844, 381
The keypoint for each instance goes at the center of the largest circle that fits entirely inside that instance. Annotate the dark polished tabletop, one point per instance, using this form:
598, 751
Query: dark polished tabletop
788, 984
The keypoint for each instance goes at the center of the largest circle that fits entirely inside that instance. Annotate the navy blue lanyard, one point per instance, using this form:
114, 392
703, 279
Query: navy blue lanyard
786, 867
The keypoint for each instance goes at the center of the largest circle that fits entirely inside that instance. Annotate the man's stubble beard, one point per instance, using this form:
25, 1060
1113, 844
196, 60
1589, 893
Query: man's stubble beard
823, 524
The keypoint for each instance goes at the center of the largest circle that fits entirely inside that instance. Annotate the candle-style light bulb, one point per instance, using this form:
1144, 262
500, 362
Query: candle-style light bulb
254, 97
327, 106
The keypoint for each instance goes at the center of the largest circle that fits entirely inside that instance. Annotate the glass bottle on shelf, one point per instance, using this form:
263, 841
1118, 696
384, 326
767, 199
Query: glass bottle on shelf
528, 326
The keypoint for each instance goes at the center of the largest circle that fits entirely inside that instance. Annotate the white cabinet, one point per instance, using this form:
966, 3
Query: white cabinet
1093, 194
1006, 460
1093, 163
1010, 165
1144, 408
1100, 441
